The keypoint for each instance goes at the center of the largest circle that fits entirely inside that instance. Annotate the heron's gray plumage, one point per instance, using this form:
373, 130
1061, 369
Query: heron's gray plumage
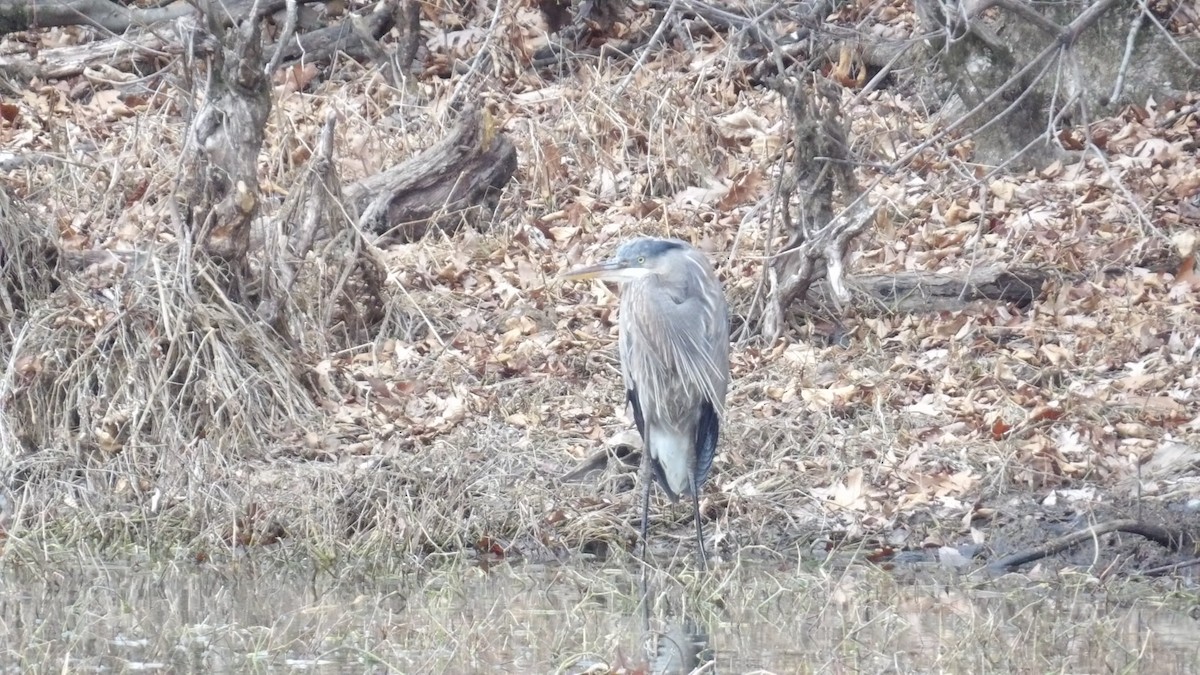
674, 344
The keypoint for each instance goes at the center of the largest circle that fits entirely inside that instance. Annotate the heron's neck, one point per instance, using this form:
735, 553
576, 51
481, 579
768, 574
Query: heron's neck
673, 284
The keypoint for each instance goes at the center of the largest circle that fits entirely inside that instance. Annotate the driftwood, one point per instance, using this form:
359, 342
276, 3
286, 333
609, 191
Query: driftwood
356, 37
454, 178
915, 292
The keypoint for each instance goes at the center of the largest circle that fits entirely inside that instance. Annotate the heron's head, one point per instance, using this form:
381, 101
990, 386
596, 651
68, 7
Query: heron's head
635, 259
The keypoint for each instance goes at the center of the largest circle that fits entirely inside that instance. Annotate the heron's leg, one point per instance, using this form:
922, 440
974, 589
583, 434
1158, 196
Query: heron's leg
647, 479
699, 526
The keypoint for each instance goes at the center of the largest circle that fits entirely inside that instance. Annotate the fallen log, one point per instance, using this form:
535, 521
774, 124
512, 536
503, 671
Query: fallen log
916, 292
148, 42
129, 52
19, 15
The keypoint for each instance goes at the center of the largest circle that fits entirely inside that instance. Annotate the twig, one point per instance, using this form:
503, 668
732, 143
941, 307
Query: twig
1028, 13
1174, 567
658, 33
991, 98
716, 16
376, 50
289, 29
1102, 158
758, 303
1173, 541
1052, 122
649, 47
1002, 166
883, 72
1129, 40
480, 57
324, 179
11, 161
1170, 38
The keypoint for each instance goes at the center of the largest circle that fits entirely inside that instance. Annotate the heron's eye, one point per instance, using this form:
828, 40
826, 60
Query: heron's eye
641, 260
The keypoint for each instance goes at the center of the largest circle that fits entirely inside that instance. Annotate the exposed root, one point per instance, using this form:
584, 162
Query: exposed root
1173, 541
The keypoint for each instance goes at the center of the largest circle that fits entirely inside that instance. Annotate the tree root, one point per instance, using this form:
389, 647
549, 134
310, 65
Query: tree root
1173, 541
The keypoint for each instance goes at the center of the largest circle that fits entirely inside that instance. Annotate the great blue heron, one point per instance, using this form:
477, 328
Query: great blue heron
674, 343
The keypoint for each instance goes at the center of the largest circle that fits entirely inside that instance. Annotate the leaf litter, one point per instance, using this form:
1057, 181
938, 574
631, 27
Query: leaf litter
453, 434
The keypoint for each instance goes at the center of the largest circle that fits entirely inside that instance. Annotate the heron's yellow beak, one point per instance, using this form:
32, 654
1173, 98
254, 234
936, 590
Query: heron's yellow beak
609, 270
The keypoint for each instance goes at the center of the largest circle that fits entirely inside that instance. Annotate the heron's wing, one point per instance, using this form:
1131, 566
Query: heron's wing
631, 395
707, 432
708, 429
638, 418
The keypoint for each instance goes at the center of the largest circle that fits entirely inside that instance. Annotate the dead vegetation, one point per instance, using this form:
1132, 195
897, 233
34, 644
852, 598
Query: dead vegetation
425, 397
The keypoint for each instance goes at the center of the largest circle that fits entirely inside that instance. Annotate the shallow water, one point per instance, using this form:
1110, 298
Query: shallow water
248, 617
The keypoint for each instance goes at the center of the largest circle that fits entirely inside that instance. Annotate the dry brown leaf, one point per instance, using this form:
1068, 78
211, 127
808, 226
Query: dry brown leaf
563, 234
744, 187
9, 112
1003, 189
829, 397
1049, 412
848, 493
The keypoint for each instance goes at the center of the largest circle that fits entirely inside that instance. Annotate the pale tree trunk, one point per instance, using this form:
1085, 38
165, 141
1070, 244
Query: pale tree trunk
228, 132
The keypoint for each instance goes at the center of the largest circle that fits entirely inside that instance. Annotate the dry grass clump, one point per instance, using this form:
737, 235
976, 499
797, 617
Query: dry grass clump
26, 261
133, 399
